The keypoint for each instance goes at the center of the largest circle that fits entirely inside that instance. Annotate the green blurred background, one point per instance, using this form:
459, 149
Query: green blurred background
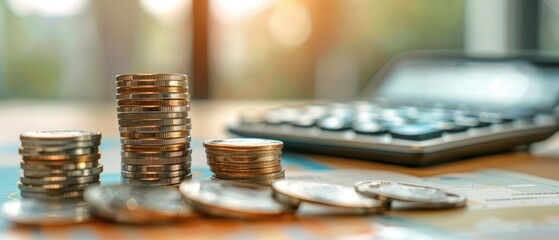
249, 49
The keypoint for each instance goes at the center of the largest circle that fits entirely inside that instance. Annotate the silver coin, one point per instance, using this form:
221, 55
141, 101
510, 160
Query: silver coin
153, 122
155, 154
156, 160
227, 199
149, 129
389, 191
156, 141
151, 82
35, 212
153, 96
152, 77
57, 165
152, 115
47, 196
68, 173
50, 147
143, 175
297, 191
61, 135
41, 189
152, 109
63, 180
39, 152
244, 144
155, 181
155, 168
129, 204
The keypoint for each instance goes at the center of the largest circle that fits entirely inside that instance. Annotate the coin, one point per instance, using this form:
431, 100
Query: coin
143, 102
243, 159
153, 122
58, 135
69, 173
63, 165
155, 148
155, 168
242, 165
75, 158
75, 151
155, 141
297, 191
250, 176
152, 96
151, 89
35, 212
152, 115
130, 204
56, 147
152, 76
248, 172
60, 180
151, 109
47, 196
41, 189
226, 199
152, 82
155, 181
263, 182
155, 154
143, 175
152, 129
253, 144
389, 191
155, 161
242, 153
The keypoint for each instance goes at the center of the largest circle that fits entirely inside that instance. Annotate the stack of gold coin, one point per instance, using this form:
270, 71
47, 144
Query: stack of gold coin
245, 160
59, 165
154, 128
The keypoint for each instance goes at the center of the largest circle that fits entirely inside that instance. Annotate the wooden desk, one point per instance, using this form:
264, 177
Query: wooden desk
209, 119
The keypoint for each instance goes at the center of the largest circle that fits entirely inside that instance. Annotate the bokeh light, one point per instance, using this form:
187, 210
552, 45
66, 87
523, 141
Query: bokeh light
290, 24
47, 8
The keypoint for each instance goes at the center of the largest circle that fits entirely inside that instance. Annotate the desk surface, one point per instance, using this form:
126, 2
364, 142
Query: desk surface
209, 119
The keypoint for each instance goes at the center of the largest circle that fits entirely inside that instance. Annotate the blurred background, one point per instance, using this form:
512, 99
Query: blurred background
249, 49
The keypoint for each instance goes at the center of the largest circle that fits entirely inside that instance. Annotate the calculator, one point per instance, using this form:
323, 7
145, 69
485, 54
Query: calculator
424, 108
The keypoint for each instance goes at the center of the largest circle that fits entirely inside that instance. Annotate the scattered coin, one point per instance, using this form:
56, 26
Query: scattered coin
228, 199
131, 204
36, 212
296, 191
389, 191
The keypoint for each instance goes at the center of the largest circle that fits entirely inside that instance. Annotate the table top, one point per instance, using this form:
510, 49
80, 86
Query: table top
209, 119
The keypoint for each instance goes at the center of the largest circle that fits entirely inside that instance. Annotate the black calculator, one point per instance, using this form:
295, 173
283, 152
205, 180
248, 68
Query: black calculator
424, 108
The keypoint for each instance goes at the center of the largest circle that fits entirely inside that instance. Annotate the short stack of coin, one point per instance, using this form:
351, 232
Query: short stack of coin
154, 128
59, 165
245, 160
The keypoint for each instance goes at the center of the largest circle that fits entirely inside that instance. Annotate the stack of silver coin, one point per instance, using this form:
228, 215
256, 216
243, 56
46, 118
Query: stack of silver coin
245, 160
154, 128
59, 165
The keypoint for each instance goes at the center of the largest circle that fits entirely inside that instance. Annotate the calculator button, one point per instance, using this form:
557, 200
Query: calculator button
416, 132
333, 123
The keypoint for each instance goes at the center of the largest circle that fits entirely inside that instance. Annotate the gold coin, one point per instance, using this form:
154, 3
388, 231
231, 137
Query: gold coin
227, 152
150, 109
152, 82
154, 154
151, 129
155, 148
152, 96
250, 176
156, 122
156, 160
152, 115
236, 171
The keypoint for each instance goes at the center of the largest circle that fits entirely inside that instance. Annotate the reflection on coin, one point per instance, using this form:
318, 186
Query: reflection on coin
58, 135
297, 191
240, 144
60, 172
389, 191
129, 204
228, 199
35, 212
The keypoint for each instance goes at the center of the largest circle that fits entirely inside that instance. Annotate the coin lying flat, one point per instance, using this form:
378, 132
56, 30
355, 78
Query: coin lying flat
61, 135
129, 204
297, 191
244, 144
152, 77
226, 199
389, 191
35, 212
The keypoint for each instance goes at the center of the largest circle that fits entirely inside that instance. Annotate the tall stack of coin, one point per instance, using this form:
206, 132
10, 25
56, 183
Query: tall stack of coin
154, 128
59, 165
245, 160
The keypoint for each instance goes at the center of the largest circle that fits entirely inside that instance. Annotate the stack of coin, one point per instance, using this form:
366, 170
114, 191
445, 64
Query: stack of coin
59, 165
154, 128
245, 160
